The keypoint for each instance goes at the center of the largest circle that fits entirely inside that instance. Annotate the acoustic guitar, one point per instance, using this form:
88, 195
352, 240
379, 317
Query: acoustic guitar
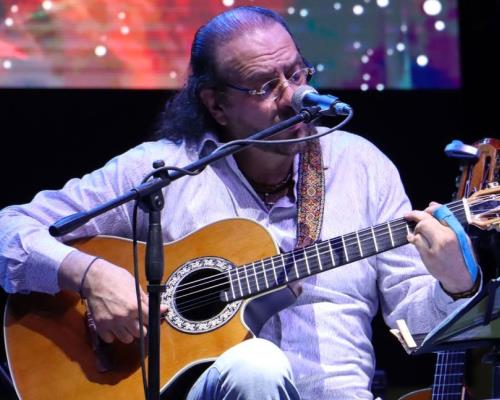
223, 282
476, 174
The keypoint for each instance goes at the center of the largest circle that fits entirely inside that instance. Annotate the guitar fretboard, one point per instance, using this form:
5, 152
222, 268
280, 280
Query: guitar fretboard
270, 273
449, 376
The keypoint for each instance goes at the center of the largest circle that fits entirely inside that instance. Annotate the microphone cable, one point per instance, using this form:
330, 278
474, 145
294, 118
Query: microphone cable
240, 142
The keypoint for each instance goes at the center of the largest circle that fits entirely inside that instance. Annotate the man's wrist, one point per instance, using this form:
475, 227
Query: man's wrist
72, 269
464, 294
84, 276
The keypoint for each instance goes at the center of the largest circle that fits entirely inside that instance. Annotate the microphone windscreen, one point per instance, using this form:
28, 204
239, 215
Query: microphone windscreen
298, 96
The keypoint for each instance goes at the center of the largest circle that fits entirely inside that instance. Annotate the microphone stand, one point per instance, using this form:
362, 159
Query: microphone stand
151, 198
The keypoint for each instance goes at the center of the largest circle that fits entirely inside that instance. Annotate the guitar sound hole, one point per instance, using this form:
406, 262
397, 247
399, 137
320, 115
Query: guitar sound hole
197, 295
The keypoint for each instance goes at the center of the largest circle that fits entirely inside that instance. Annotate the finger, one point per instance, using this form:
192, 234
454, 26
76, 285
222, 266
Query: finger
432, 230
106, 336
420, 242
432, 207
123, 334
134, 328
416, 215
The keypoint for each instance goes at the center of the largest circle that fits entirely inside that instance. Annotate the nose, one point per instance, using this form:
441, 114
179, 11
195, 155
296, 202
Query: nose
285, 97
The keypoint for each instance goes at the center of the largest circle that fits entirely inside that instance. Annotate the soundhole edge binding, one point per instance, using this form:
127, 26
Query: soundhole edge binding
216, 313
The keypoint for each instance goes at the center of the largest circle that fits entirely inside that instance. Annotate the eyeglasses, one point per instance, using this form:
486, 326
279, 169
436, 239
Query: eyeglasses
274, 88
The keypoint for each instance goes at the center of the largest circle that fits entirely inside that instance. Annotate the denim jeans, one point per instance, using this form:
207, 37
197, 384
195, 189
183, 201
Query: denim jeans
253, 370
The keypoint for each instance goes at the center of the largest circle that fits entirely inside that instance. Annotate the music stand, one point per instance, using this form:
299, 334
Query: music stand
474, 324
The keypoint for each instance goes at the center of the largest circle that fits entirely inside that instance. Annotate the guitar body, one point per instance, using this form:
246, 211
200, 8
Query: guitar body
48, 343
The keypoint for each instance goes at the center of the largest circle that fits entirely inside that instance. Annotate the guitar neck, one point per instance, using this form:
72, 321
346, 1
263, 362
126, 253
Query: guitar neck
273, 272
449, 376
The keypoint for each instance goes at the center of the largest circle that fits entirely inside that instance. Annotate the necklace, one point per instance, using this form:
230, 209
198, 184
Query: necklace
271, 193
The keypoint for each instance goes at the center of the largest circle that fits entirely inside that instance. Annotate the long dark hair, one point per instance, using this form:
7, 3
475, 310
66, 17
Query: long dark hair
184, 116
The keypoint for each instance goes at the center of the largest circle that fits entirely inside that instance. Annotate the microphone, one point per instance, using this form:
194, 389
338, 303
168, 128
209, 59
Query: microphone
307, 96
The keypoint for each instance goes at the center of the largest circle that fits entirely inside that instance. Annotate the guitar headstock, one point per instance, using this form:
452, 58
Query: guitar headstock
484, 207
479, 173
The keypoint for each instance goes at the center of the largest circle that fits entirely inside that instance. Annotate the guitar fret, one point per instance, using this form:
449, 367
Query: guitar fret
295, 265
374, 239
407, 228
265, 276
239, 281
274, 272
345, 248
255, 275
231, 284
284, 267
248, 282
307, 263
390, 233
359, 244
269, 274
449, 375
331, 252
319, 259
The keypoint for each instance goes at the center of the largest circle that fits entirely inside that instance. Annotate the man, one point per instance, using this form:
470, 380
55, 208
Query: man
245, 66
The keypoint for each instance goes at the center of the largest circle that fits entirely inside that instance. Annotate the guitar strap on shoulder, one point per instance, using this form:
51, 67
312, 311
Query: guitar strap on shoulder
311, 195
311, 200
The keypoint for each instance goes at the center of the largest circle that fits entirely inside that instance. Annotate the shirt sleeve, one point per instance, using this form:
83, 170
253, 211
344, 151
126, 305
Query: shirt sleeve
407, 290
30, 256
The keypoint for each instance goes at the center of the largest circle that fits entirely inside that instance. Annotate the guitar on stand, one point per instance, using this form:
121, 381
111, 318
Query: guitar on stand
482, 173
480, 169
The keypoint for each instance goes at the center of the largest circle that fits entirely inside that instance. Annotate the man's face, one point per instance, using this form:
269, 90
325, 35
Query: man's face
249, 61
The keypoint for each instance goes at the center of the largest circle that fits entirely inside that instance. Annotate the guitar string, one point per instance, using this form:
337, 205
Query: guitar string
301, 252
186, 303
216, 295
437, 390
300, 255
200, 301
365, 234
196, 303
367, 237
457, 370
451, 371
213, 296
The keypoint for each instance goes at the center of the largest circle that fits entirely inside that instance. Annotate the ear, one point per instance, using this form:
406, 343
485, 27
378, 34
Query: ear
212, 101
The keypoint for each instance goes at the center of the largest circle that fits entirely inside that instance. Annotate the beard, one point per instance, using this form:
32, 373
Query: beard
288, 149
